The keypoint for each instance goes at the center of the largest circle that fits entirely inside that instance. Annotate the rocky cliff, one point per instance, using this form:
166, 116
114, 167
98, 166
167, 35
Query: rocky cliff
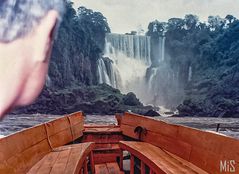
100, 99
72, 82
203, 60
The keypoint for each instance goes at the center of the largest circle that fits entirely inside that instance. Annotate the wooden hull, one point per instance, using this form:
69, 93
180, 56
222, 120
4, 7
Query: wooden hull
152, 146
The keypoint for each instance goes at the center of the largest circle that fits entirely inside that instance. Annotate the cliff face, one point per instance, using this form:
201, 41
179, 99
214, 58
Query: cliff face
73, 78
100, 99
203, 59
214, 90
77, 48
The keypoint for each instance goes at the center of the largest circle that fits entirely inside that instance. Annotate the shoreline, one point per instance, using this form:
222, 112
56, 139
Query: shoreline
229, 126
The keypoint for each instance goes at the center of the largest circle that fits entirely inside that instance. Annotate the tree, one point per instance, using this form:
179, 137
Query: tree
79, 44
216, 23
230, 19
175, 24
156, 28
191, 21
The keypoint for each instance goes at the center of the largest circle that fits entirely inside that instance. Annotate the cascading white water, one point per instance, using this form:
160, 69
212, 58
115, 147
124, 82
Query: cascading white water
190, 73
152, 79
126, 65
163, 48
102, 71
129, 59
132, 46
48, 81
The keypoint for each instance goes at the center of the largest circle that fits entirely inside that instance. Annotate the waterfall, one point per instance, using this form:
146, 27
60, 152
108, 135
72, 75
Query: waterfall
48, 81
190, 73
102, 71
163, 48
137, 64
125, 61
132, 46
152, 78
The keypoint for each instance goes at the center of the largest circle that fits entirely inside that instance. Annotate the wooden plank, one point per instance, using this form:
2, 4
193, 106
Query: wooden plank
121, 160
92, 163
48, 163
85, 167
22, 162
150, 124
211, 142
107, 146
61, 138
128, 130
100, 126
17, 143
113, 168
209, 148
187, 163
78, 156
202, 148
20, 151
173, 145
57, 125
76, 118
65, 159
32, 155
77, 130
206, 160
105, 157
103, 139
131, 164
142, 167
101, 169
104, 130
151, 171
5, 168
35, 168
157, 159
45, 164
61, 162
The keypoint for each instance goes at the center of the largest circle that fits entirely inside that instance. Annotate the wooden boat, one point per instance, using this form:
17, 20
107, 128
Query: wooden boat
136, 145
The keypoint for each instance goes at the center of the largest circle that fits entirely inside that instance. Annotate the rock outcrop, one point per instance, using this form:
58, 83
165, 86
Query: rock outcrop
101, 99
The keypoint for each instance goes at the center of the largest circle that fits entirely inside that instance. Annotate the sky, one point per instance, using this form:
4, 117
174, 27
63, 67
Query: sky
127, 15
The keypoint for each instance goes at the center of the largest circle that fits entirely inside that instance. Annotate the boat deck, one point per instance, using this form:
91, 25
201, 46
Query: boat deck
136, 145
107, 168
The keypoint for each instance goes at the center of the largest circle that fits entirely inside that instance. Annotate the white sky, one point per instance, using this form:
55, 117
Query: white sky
126, 15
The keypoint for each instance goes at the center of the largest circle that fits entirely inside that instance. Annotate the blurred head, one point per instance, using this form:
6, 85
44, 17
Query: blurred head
27, 29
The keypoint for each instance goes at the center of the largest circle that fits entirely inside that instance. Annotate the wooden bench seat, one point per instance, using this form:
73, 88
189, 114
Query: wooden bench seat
107, 168
206, 150
66, 159
159, 160
19, 152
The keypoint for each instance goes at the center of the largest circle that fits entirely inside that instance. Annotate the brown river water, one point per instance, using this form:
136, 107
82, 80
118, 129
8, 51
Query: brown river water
228, 126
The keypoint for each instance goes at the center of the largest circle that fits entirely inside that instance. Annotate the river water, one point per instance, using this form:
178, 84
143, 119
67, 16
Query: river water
228, 126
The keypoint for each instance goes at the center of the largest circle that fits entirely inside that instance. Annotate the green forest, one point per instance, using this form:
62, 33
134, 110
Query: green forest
211, 48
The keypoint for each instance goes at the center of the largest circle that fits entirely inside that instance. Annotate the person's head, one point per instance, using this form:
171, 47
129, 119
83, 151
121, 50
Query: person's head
27, 29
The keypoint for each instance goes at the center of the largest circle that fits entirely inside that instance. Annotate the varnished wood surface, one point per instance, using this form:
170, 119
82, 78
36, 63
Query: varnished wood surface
20, 151
157, 159
63, 160
106, 138
159, 133
107, 168
201, 148
104, 130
